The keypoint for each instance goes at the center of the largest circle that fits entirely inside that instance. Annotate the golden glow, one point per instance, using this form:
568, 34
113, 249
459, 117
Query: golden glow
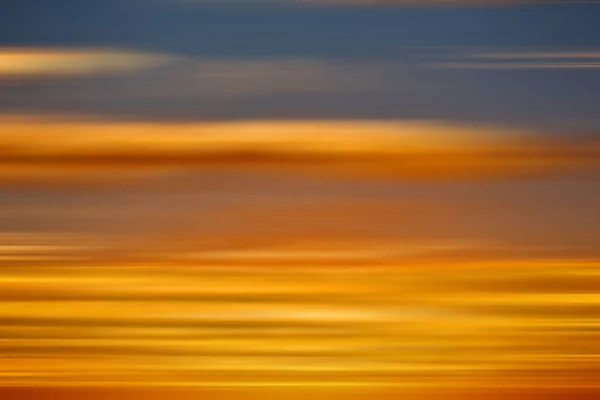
477, 324
45, 148
96, 138
39, 62
218, 218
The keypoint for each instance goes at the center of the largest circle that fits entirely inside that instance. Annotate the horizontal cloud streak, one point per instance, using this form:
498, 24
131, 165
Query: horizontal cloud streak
412, 84
519, 65
49, 62
515, 59
396, 148
505, 325
532, 55
227, 76
113, 82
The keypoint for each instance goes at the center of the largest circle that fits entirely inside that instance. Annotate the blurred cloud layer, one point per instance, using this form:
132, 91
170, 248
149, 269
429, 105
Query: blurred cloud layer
340, 196
499, 325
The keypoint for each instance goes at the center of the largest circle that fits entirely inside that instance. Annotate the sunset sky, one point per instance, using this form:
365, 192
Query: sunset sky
402, 149
485, 112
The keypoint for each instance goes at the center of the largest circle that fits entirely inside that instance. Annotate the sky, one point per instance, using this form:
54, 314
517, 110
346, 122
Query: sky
105, 105
531, 64
394, 193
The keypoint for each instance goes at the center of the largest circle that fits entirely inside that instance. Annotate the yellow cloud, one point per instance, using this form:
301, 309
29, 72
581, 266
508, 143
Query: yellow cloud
394, 148
409, 326
68, 138
39, 62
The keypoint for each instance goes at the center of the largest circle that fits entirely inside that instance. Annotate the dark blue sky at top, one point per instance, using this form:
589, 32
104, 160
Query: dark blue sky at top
561, 98
268, 29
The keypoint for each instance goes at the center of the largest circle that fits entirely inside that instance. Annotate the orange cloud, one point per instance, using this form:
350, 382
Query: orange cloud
374, 327
391, 148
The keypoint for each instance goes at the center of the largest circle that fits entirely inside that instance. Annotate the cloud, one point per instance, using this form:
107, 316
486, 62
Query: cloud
226, 76
517, 59
520, 65
387, 328
413, 85
56, 138
392, 148
533, 55
56, 62
170, 84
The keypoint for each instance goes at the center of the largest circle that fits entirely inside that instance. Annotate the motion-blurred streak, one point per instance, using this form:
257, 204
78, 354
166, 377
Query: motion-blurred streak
421, 325
34, 62
519, 65
388, 148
